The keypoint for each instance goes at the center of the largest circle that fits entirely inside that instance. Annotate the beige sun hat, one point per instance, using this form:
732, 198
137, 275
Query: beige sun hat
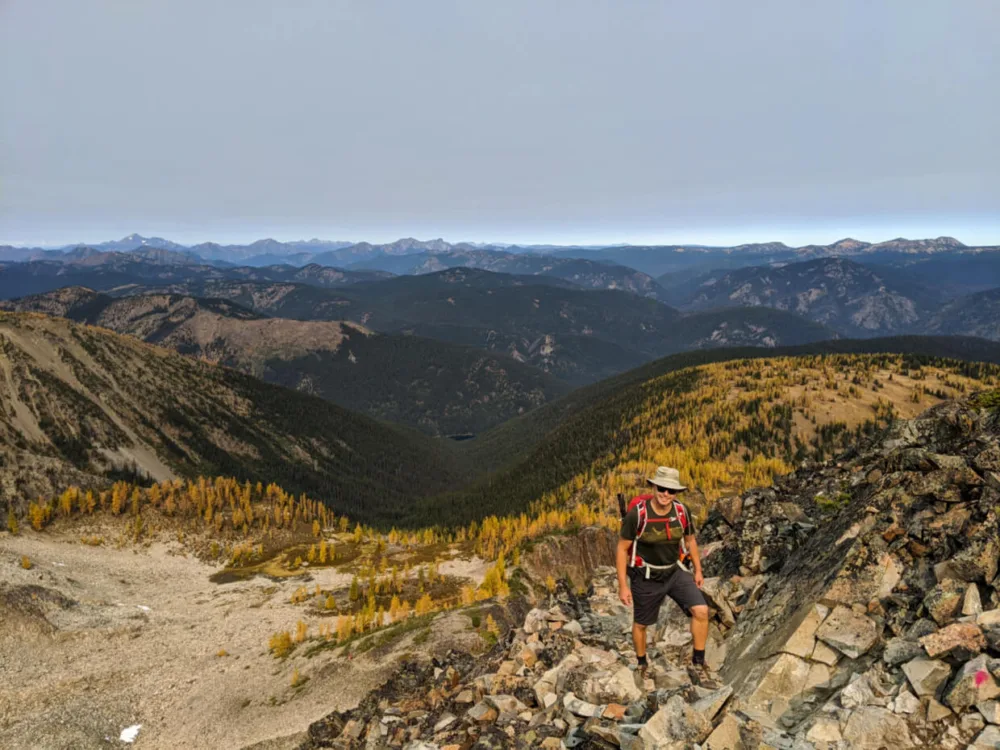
667, 477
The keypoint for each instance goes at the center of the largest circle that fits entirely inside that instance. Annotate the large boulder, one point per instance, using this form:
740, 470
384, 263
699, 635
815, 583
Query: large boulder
736, 731
973, 684
944, 601
847, 631
786, 677
960, 640
675, 726
713, 702
875, 728
802, 642
926, 676
617, 686
978, 560
988, 739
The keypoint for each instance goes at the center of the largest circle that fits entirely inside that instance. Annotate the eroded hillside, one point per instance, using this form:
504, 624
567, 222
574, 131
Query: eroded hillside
81, 404
433, 386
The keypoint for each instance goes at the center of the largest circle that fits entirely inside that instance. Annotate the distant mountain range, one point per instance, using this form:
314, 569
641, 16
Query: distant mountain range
325, 252
576, 335
116, 271
837, 292
663, 272
850, 288
854, 299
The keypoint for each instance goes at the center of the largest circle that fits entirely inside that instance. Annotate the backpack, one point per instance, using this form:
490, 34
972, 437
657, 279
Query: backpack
635, 561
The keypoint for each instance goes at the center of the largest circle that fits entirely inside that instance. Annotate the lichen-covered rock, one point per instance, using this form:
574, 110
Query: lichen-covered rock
900, 650
973, 683
875, 728
977, 561
614, 687
937, 710
906, 703
848, 632
581, 707
960, 640
482, 712
944, 601
675, 725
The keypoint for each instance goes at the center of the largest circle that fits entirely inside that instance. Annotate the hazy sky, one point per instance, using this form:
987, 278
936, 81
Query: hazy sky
543, 121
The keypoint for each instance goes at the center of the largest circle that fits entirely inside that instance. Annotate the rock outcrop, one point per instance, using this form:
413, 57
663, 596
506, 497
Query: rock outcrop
855, 604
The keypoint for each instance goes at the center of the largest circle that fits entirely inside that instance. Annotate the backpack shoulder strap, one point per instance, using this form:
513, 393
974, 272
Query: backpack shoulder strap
640, 509
643, 518
681, 515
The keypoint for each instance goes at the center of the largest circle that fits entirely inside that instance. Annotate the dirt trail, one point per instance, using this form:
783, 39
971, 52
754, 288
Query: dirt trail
140, 645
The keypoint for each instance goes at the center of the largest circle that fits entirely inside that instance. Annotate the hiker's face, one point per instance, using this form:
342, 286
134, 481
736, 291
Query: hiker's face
665, 493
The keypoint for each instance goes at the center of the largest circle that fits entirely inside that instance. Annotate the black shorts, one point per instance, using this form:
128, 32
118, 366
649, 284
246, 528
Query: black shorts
648, 593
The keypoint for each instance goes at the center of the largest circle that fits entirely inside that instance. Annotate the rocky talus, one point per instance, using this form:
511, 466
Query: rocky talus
855, 604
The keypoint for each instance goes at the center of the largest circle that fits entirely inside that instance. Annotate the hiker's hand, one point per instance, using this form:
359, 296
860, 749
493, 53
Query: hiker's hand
699, 579
625, 596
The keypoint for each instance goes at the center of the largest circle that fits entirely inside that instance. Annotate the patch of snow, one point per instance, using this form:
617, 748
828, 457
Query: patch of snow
130, 733
143, 607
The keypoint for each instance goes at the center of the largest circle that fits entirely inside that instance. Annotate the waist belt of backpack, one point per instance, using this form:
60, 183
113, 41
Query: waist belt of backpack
648, 566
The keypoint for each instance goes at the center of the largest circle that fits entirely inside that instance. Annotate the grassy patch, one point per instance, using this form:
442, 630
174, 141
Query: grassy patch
363, 642
986, 400
833, 504
476, 617
421, 638
518, 586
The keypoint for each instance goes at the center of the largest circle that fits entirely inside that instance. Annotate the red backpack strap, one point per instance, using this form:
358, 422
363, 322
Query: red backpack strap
643, 518
640, 503
681, 516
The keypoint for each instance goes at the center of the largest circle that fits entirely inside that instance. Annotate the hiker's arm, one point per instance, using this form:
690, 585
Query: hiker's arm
692, 544
621, 564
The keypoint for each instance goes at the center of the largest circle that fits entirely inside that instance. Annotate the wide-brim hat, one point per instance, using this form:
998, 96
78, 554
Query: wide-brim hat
668, 478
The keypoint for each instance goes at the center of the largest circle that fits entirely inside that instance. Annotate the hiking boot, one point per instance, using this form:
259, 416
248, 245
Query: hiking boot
640, 676
702, 676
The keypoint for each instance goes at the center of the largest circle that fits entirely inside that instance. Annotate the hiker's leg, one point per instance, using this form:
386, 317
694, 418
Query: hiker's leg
689, 598
647, 596
639, 639
699, 626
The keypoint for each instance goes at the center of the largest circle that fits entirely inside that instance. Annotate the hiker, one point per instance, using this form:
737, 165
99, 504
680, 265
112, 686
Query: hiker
656, 546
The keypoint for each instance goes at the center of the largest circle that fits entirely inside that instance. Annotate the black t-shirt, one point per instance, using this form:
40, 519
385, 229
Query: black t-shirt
654, 546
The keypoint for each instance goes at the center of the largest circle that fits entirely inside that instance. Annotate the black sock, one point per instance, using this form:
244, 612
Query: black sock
698, 657
642, 660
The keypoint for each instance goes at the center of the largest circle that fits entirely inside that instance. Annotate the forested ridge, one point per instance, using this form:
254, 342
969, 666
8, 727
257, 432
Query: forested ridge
726, 426
93, 404
82, 404
436, 387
